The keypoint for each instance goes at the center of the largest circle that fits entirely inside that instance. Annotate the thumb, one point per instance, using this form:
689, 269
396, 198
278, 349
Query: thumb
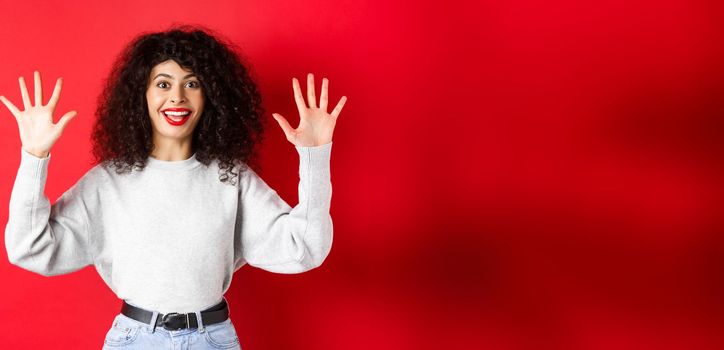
66, 118
288, 130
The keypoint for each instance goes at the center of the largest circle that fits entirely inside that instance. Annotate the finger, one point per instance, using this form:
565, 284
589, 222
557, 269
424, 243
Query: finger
312, 99
56, 93
323, 100
66, 118
338, 108
24, 92
14, 110
288, 130
298, 96
38, 90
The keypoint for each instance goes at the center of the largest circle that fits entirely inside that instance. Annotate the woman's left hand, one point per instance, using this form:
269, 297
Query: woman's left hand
315, 124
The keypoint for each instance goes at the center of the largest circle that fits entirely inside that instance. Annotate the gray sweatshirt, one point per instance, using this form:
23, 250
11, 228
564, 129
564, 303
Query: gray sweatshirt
170, 237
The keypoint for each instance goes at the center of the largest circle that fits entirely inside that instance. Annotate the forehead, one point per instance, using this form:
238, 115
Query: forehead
170, 67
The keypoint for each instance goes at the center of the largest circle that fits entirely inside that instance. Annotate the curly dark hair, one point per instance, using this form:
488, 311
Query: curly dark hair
230, 125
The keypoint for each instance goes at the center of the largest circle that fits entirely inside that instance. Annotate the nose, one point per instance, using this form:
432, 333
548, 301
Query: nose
178, 96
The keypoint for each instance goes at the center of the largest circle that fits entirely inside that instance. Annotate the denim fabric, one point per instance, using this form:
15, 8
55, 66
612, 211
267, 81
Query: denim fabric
127, 333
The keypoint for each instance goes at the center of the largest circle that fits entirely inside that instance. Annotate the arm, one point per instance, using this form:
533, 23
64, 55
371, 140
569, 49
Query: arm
281, 239
48, 240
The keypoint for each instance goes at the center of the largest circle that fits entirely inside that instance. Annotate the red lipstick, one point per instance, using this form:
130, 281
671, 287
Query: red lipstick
178, 122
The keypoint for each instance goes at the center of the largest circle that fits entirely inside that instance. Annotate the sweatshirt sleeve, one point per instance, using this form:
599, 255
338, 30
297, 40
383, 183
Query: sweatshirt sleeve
48, 240
278, 238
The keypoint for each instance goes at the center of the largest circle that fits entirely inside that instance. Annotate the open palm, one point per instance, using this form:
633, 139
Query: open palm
316, 126
38, 133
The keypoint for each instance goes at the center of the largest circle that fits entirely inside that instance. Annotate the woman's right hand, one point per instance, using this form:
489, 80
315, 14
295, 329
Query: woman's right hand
37, 131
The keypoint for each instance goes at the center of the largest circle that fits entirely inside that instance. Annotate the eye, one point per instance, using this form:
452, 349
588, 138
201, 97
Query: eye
163, 82
194, 84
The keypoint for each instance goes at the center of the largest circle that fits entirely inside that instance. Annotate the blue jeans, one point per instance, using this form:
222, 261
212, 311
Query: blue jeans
127, 333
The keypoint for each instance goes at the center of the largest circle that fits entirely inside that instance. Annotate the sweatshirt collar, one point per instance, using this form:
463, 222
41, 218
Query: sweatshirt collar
153, 163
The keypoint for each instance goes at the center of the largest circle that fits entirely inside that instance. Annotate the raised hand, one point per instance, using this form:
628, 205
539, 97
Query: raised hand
37, 131
315, 124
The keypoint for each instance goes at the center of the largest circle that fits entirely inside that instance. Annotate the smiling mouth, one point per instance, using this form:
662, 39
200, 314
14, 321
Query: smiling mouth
176, 118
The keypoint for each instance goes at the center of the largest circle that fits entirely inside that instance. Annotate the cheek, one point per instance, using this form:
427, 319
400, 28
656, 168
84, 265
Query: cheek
200, 106
154, 103
200, 101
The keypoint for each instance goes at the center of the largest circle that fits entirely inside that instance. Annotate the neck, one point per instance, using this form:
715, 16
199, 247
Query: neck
172, 150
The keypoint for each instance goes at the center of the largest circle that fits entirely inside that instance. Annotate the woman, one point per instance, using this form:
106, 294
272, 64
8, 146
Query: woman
161, 215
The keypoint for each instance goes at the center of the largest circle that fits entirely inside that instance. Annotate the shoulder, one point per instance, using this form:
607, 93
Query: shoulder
98, 176
99, 172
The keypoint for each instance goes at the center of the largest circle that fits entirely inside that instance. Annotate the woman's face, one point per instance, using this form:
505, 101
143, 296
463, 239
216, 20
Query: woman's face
175, 101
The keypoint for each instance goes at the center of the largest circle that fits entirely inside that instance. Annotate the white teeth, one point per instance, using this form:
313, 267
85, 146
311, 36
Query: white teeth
176, 113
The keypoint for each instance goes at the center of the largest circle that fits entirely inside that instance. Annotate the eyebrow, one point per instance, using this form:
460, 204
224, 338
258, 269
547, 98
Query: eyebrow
171, 76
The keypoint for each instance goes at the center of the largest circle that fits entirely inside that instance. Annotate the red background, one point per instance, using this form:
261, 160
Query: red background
507, 174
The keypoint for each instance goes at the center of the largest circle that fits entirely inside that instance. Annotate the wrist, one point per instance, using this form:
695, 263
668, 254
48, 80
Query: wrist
37, 153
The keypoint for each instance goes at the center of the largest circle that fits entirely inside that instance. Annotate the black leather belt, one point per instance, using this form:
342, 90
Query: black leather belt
175, 321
